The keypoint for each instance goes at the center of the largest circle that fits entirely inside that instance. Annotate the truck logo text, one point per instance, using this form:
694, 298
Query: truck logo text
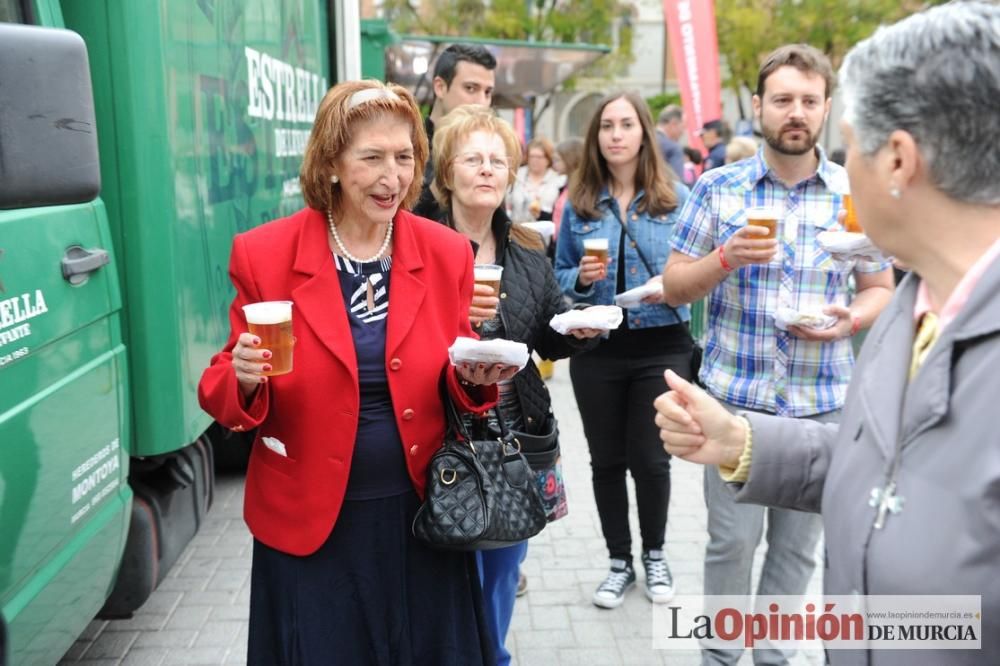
14, 311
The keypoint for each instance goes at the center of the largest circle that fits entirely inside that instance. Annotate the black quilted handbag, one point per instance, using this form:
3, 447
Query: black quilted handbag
481, 494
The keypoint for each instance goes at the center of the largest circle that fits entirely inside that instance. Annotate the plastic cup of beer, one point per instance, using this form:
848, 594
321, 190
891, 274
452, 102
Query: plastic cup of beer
596, 247
489, 274
764, 217
851, 223
271, 321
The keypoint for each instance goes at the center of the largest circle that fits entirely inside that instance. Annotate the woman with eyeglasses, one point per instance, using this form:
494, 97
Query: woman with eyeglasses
473, 153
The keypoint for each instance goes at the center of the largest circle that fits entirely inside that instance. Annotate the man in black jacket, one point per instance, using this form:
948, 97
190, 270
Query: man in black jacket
463, 74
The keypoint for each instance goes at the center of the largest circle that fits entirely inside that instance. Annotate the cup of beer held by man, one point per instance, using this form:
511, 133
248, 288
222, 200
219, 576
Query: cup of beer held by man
851, 223
766, 217
271, 321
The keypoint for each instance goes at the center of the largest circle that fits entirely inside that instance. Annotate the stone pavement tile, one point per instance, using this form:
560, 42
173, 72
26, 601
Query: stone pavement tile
75, 651
162, 601
188, 616
550, 617
111, 644
140, 622
219, 550
211, 656
638, 651
236, 656
168, 638
537, 657
218, 634
209, 598
547, 638
228, 580
590, 656
173, 583
145, 657
198, 567
238, 612
93, 630
592, 634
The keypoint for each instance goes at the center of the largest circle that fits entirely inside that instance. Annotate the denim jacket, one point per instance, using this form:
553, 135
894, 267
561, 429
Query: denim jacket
652, 233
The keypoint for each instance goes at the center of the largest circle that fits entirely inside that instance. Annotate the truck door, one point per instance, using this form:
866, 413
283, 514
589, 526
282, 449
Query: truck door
63, 401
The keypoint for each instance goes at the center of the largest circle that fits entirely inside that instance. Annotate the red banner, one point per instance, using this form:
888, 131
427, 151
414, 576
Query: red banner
695, 50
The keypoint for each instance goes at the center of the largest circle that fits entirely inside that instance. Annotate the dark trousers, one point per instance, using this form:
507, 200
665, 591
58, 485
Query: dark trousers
615, 396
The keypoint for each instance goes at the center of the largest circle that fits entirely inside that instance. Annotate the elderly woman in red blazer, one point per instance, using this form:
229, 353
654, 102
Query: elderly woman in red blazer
343, 441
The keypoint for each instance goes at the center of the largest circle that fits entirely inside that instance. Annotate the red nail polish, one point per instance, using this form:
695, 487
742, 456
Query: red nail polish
267, 367
263, 380
266, 354
256, 341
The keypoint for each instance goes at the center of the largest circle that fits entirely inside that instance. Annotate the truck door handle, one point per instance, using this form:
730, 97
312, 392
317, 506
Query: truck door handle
78, 263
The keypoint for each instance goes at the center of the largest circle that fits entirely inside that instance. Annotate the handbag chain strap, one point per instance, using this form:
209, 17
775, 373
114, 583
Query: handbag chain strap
649, 269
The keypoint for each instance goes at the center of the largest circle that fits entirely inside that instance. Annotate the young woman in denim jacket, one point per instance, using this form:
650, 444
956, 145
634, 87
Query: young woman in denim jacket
623, 181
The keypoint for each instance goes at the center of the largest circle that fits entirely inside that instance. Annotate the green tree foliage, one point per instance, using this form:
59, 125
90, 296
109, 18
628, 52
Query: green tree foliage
606, 22
659, 102
749, 29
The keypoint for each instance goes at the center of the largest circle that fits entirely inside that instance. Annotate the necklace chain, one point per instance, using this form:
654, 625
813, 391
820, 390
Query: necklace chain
346, 253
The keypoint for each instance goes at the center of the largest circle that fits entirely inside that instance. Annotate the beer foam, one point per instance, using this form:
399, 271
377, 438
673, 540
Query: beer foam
268, 312
595, 243
487, 272
762, 213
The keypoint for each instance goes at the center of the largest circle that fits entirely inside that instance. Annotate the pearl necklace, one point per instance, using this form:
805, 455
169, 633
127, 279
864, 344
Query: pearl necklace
343, 250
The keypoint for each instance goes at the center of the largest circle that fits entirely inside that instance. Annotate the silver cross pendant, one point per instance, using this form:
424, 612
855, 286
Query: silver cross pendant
886, 500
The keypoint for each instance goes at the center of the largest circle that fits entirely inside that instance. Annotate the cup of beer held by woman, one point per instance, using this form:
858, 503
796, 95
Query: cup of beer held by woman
488, 274
596, 247
271, 321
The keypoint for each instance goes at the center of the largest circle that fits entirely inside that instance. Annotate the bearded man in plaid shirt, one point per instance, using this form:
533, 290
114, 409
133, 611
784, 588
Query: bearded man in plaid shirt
750, 363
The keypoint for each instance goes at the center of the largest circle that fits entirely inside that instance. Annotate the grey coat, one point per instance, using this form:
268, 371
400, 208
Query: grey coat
946, 538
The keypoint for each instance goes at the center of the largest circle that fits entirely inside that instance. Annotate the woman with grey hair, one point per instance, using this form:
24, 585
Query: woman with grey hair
909, 482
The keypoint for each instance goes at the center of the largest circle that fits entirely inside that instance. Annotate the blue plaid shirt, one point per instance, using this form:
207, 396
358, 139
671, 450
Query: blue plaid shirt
748, 361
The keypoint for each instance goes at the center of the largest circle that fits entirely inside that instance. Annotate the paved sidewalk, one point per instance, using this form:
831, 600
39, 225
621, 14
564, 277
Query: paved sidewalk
199, 613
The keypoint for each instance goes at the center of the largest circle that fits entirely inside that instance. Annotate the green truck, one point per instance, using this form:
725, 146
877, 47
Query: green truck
136, 138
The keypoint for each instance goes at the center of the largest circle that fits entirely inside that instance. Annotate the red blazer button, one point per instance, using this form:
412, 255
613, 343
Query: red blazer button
407, 414
395, 364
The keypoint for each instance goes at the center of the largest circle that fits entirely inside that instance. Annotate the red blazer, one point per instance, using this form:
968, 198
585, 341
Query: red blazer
292, 502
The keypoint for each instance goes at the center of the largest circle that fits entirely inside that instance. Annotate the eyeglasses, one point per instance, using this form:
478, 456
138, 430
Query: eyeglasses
475, 161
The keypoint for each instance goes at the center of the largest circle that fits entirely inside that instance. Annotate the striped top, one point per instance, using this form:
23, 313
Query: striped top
748, 362
374, 273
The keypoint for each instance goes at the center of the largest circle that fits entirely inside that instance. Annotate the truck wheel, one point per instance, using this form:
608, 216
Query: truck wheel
172, 494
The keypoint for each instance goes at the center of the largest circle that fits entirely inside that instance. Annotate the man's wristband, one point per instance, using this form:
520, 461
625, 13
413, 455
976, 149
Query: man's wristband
855, 324
722, 260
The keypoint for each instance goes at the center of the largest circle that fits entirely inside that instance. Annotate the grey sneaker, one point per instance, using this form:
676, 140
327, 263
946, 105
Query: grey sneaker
611, 592
659, 582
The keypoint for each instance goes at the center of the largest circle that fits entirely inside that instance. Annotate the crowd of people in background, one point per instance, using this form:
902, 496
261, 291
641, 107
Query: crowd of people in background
670, 219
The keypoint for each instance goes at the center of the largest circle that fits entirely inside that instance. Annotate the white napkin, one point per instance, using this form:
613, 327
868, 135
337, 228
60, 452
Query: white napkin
602, 317
546, 228
633, 297
846, 245
817, 319
470, 350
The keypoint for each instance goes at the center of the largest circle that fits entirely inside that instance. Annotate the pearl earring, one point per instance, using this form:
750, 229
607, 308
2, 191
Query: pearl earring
334, 179
895, 193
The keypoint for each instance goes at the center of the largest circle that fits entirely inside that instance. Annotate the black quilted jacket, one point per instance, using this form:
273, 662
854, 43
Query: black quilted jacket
529, 298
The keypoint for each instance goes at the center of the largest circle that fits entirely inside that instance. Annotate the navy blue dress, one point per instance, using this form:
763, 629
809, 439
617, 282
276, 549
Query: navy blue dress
371, 594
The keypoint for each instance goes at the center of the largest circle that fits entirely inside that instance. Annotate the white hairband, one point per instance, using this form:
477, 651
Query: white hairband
370, 95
